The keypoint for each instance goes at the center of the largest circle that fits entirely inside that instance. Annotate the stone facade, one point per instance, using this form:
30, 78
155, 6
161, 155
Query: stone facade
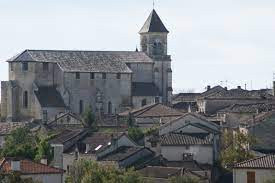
77, 80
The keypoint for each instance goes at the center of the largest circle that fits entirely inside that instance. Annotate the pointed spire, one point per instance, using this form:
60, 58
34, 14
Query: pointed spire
153, 24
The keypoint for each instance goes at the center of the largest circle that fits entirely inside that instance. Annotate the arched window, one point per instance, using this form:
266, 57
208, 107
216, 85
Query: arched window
109, 107
158, 48
25, 99
143, 102
80, 107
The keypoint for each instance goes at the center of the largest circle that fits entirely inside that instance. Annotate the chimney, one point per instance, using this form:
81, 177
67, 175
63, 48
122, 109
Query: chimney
208, 87
44, 161
239, 87
225, 88
15, 165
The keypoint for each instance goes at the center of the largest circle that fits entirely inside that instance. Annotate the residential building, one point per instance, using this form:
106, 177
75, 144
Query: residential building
256, 170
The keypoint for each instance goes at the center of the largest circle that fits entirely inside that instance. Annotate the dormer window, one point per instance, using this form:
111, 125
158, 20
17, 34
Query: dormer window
77, 75
103, 75
25, 66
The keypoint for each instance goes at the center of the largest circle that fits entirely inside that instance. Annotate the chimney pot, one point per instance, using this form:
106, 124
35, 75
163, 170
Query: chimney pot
239, 87
15, 165
225, 88
208, 87
44, 161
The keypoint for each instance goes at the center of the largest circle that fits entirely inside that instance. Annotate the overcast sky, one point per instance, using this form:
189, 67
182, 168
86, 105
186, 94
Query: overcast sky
211, 41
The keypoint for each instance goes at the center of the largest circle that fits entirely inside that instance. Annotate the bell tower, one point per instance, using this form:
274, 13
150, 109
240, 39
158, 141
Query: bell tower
153, 41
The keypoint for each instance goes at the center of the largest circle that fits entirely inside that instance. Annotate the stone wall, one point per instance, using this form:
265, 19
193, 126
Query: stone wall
111, 91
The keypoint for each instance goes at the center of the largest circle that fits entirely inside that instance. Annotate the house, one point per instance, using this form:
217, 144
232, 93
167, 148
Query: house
186, 147
43, 83
29, 169
160, 174
151, 115
185, 119
63, 141
185, 102
66, 120
125, 156
256, 170
218, 98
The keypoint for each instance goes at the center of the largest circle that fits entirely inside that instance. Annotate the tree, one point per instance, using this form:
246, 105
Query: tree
135, 133
44, 149
14, 177
184, 179
84, 171
89, 117
236, 148
20, 143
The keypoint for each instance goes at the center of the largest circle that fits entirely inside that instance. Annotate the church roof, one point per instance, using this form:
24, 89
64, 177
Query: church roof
153, 24
85, 61
49, 97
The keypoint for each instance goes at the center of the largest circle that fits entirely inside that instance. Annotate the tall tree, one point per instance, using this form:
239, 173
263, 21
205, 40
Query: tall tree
89, 118
236, 148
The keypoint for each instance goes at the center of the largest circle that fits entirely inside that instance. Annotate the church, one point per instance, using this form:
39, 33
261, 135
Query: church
44, 83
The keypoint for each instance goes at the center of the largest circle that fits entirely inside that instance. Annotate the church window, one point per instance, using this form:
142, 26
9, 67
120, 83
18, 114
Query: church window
25, 99
109, 107
25, 66
103, 75
80, 106
157, 48
11, 66
77, 75
118, 76
143, 102
45, 66
92, 75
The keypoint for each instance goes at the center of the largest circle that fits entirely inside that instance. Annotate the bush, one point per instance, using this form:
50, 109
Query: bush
135, 134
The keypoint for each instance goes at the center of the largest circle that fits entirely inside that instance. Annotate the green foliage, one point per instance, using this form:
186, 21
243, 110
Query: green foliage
84, 171
89, 118
270, 181
135, 133
20, 143
184, 179
44, 150
151, 131
236, 148
14, 177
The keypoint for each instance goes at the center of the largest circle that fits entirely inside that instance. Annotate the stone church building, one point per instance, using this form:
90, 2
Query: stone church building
44, 83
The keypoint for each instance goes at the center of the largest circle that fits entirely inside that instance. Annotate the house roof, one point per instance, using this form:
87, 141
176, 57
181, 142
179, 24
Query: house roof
29, 167
177, 139
85, 61
186, 97
6, 128
144, 89
99, 138
122, 153
152, 110
63, 115
67, 135
201, 126
247, 108
264, 162
195, 115
48, 96
153, 24
222, 93
264, 133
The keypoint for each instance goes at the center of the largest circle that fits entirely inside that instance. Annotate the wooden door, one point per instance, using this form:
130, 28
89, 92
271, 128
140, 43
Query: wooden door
251, 177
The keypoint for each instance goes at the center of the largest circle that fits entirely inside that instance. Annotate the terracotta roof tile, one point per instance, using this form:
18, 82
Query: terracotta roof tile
175, 139
265, 162
30, 167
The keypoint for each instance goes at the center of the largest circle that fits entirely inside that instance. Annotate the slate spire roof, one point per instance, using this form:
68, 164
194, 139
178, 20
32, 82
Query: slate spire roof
153, 24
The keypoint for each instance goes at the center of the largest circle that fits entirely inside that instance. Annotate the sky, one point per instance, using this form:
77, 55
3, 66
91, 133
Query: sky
212, 42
